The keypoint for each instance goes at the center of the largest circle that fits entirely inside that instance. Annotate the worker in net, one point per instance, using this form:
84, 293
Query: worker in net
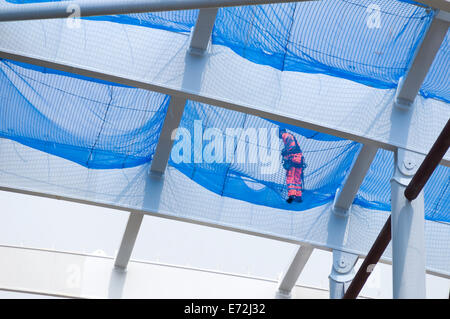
293, 163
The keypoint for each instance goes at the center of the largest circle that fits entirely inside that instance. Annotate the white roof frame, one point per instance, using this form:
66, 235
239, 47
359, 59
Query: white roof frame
196, 72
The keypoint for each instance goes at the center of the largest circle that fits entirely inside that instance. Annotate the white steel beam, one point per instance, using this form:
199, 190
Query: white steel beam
128, 240
223, 80
294, 270
201, 34
408, 231
346, 195
165, 142
410, 85
88, 8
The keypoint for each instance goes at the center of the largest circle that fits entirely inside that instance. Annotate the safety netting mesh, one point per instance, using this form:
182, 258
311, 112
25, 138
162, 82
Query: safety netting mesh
368, 41
91, 122
238, 155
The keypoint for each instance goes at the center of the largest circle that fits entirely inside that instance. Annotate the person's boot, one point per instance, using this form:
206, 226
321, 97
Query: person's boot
290, 199
298, 199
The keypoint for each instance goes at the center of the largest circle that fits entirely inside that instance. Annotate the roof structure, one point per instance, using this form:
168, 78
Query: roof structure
148, 107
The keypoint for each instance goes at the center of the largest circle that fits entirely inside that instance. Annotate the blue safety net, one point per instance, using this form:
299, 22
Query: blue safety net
93, 123
238, 155
328, 160
103, 125
369, 41
437, 81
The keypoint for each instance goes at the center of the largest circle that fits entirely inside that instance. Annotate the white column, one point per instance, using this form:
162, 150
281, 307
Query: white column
171, 122
293, 272
409, 86
346, 195
201, 34
128, 240
408, 243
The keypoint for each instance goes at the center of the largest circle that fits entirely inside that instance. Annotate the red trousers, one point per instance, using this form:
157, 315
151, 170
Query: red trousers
294, 181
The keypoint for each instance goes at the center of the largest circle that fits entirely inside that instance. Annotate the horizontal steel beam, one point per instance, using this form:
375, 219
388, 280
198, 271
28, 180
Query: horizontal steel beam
169, 217
89, 8
284, 118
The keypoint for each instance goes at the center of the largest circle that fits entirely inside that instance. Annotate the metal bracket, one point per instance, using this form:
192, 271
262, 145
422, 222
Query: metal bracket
343, 264
407, 164
342, 273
